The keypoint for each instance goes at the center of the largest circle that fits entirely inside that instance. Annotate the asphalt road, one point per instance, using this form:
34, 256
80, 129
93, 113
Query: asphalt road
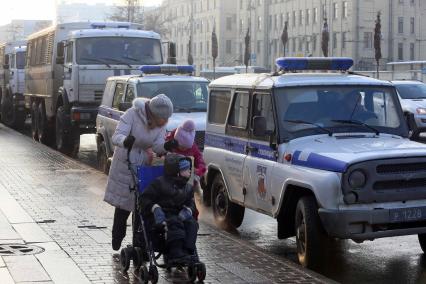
388, 260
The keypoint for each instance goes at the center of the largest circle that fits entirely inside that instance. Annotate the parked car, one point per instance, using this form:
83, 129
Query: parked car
188, 94
412, 95
325, 153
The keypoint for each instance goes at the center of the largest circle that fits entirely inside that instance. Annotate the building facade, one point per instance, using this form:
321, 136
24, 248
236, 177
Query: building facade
20, 29
81, 12
185, 19
351, 26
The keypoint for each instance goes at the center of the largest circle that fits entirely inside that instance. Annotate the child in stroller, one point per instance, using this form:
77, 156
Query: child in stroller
169, 202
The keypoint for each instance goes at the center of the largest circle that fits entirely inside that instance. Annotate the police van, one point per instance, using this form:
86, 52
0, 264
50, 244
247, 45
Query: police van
327, 153
188, 94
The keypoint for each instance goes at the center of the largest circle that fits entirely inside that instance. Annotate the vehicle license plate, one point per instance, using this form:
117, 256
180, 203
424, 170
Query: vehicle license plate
407, 214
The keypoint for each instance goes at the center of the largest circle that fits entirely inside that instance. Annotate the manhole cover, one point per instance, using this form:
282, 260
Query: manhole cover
19, 249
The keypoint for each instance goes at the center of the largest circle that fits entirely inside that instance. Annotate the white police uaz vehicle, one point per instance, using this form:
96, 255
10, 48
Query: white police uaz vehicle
326, 154
188, 94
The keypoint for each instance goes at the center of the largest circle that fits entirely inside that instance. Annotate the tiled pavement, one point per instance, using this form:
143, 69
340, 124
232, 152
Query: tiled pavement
54, 202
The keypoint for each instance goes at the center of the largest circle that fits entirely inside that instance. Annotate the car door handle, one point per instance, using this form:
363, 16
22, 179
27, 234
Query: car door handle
251, 149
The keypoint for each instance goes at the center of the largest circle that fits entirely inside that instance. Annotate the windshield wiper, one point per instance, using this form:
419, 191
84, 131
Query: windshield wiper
118, 61
183, 109
96, 60
356, 122
330, 133
131, 58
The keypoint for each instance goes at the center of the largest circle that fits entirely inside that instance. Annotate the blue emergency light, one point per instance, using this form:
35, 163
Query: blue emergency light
314, 63
167, 69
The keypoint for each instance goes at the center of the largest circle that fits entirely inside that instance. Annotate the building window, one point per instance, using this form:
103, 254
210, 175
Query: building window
335, 10
400, 51
300, 44
228, 46
345, 9
412, 25
294, 18
314, 43
229, 24
343, 40
401, 1
334, 40
315, 19
411, 51
412, 2
294, 45
201, 48
259, 46
324, 11
208, 47
276, 22
281, 20
241, 25
300, 17
218, 106
259, 23
270, 22
401, 25
368, 40
308, 16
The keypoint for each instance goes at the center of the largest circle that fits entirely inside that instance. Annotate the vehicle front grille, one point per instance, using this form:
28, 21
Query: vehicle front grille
401, 168
397, 179
98, 95
199, 139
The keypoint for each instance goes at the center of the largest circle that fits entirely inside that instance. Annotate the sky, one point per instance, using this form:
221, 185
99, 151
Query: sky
44, 9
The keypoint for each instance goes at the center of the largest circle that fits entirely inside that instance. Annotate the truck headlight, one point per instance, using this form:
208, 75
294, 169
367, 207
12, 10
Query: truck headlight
357, 179
421, 110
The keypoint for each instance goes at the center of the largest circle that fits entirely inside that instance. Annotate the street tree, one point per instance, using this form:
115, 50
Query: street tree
128, 11
377, 42
325, 38
215, 48
284, 36
247, 49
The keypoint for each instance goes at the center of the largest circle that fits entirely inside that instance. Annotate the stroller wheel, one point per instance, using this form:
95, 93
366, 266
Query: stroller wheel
143, 275
153, 274
137, 257
125, 257
192, 272
201, 271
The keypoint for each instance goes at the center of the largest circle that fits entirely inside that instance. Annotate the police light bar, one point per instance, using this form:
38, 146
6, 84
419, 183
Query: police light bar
167, 69
118, 25
314, 63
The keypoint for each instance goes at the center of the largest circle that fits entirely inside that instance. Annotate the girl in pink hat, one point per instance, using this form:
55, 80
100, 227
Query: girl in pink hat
181, 141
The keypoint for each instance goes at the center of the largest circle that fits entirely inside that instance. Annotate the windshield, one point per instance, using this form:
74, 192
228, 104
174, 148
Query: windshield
304, 110
118, 50
20, 60
412, 91
186, 96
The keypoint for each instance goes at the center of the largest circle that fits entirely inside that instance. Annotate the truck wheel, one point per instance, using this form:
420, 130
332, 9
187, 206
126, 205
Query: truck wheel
11, 115
34, 118
43, 130
103, 158
422, 242
226, 213
67, 138
310, 236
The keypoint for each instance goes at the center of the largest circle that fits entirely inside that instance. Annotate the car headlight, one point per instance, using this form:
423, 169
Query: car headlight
421, 110
357, 179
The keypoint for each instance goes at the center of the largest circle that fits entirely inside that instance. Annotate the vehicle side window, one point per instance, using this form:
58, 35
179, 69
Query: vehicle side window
130, 94
118, 95
239, 114
68, 58
12, 61
218, 106
262, 106
108, 93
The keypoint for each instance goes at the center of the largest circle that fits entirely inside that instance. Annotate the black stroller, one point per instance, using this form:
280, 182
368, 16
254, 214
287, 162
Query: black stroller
149, 240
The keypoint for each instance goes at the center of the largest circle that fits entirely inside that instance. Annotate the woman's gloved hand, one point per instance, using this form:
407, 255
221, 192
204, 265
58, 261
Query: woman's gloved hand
171, 145
185, 214
159, 216
129, 141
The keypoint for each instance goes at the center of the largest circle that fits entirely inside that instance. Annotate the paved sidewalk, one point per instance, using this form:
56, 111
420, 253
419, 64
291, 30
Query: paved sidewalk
54, 203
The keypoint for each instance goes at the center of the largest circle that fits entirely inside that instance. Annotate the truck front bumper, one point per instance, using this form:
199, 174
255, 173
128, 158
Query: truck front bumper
360, 225
84, 118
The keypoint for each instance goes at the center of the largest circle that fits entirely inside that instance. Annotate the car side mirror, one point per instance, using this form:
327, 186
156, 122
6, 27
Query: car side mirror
259, 126
59, 60
5, 66
123, 106
415, 131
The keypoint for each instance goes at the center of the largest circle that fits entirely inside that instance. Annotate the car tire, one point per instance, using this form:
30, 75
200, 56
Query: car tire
44, 132
227, 214
102, 156
422, 242
11, 115
67, 138
34, 119
310, 235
